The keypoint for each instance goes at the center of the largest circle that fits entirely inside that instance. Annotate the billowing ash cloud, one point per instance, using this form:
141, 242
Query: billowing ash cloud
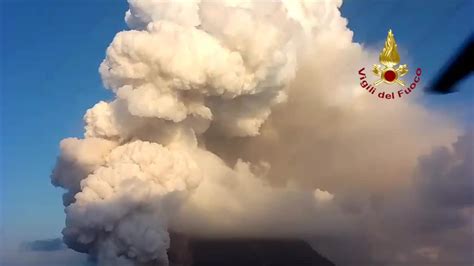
242, 119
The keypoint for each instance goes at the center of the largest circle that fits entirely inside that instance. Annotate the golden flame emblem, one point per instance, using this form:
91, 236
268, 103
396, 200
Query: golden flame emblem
389, 58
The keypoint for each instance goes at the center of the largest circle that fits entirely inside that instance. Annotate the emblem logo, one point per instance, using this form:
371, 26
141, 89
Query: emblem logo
388, 72
389, 58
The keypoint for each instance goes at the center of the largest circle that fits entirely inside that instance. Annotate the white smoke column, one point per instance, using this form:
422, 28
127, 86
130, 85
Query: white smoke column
192, 77
184, 67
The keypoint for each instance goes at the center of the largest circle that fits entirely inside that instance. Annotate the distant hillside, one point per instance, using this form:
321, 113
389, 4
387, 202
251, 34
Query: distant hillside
243, 252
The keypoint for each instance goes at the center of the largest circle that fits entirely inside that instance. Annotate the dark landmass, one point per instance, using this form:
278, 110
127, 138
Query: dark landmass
186, 251
43, 245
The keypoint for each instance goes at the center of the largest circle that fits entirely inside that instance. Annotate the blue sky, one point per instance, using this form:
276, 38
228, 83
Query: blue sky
51, 51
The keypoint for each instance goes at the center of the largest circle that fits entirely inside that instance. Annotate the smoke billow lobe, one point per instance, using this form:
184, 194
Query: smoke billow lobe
234, 119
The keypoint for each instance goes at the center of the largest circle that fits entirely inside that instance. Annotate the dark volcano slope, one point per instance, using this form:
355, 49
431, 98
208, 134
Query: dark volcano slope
244, 252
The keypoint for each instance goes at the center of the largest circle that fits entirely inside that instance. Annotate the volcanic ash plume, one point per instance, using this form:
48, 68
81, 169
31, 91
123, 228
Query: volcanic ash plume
190, 144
